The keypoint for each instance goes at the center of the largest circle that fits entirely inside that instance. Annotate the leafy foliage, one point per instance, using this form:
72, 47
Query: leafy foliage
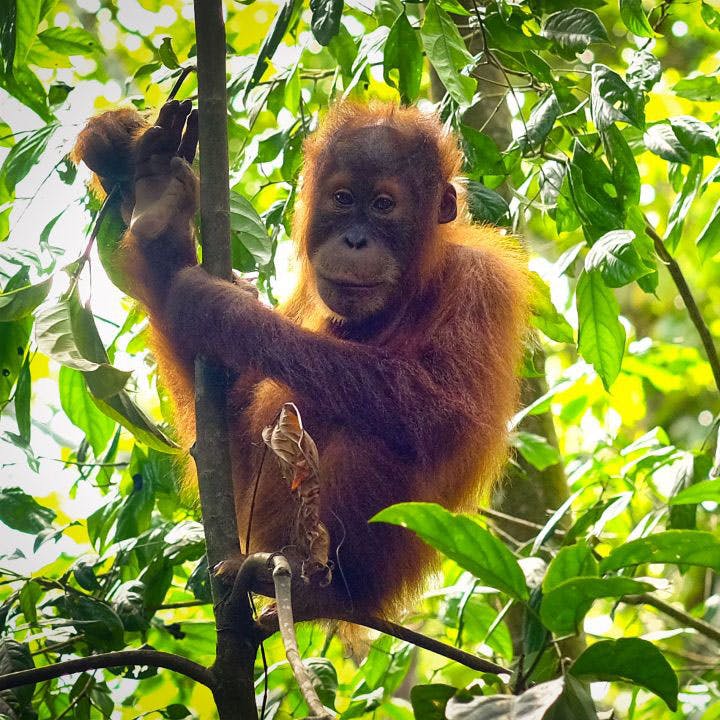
591, 130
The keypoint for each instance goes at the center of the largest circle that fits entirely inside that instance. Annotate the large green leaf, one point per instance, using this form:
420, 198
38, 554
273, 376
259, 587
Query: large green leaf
66, 332
482, 156
635, 19
601, 335
447, 53
540, 123
564, 607
463, 539
707, 491
535, 449
701, 87
644, 71
679, 547
616, 258
97, 621
70, 41
24, 155
18, 303
249, 230
573, 30
403, 59
20, 511
694, 135
625, 173
612, 99
631, 660
82, 411
571, 562
326, 15
14, 657
28, 16
545, 316
486, 205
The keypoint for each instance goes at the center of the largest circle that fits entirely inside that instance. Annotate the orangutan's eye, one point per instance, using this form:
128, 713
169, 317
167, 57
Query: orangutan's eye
383, 203
344, 198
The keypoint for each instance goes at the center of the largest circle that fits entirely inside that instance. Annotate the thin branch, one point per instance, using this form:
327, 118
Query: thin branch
282, 577
427, 643
704, 628
150, 658
689, 300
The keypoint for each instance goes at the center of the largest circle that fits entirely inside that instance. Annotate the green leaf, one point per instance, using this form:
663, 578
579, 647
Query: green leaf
326, 16
176, 711
463, 539
66, 332
644, 71
14, 657
20, 511
545, 317
403, 53
683, 202
58, 93
635, 19
447, 53
625, 173
26, 87
24, 155
167, 54
14, 338
708, 243
601, 335
99, 623
248, 229
707, 491
694, 135
710, 16
82, 411
573, 30
28, 14
612, 100
540, 123
701, 87
8, 17
22, 402
429, 701
630, 660
564, 607
271, 42
615, 257
679, 547
535, 449
69, 41
481, 153
533, 704
593, 193
19, 303
344, 51
571, 562
486, 205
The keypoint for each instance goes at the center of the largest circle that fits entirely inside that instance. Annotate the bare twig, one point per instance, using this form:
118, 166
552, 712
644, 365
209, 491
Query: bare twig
150, 658
282, 578
686, 294
704, 628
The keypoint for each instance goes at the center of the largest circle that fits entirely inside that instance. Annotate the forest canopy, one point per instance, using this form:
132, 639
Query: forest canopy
590, 131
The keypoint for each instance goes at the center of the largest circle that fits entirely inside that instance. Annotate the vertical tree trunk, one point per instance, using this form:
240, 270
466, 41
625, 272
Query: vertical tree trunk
236, 644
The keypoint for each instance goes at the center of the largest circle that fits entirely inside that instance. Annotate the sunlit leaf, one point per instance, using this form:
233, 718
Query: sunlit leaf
447, 53
601, 335
631, 660
403, 53
701, 87
612, 100
564, 607
18, 303
70, 41
535, 449
708, 242
635, 19
573, 30
325, 21
464, 540
21, 511
616, 258
571, 562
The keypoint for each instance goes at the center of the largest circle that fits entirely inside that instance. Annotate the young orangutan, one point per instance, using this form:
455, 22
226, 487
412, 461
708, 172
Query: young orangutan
400, 345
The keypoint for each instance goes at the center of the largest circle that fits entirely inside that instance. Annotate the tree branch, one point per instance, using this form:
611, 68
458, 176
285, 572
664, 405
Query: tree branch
236, 648
704, 628
151, 658
687, 296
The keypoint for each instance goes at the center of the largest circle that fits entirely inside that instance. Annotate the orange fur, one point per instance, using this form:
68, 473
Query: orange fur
416, 411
